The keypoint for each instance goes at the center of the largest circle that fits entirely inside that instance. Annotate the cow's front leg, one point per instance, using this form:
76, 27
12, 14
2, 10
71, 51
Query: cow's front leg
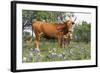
59, 42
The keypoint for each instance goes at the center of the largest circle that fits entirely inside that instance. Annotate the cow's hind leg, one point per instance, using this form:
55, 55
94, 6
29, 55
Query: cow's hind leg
37, 38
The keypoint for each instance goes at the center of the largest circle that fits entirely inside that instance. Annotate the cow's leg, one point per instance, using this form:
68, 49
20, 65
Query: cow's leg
63, 42
36, 42
59, 41
37, 39
69, 41
38, 36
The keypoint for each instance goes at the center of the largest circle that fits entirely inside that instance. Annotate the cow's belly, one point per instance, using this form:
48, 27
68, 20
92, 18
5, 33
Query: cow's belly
52, 35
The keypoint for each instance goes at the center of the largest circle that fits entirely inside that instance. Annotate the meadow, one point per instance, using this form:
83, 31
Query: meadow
49, 51
78, 49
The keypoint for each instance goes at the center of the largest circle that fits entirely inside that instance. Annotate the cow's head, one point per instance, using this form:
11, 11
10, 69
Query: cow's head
69, 26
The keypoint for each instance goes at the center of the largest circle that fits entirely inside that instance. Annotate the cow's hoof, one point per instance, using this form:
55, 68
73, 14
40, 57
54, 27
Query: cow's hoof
36, 50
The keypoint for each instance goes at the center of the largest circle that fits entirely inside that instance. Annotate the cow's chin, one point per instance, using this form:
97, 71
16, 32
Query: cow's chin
71, 37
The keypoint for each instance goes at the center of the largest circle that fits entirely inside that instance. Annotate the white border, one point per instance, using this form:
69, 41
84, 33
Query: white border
21, 65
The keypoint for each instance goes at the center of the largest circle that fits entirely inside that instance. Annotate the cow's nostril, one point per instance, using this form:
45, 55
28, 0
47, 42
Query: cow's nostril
73, 23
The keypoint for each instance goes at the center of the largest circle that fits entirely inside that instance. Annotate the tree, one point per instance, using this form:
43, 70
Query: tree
49, 16
82, 32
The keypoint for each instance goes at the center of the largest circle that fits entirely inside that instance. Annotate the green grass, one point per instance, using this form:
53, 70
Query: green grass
73, 51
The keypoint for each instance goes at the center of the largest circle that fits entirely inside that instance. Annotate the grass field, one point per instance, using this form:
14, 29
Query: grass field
50, 52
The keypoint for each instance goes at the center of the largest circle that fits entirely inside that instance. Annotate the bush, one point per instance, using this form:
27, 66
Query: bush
82, 32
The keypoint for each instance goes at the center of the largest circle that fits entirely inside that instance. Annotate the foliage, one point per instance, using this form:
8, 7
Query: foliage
82, 32
49, 16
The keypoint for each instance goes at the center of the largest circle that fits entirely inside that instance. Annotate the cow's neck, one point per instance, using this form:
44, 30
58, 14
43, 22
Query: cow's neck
62, 28
65, 30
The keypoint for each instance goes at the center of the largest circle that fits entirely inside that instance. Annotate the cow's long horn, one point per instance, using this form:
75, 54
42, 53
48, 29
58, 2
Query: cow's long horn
75, 19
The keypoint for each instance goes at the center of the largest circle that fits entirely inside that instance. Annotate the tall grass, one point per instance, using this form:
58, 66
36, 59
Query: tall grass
49, 51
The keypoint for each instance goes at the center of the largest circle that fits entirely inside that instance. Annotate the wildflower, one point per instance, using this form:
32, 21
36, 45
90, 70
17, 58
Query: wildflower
38, 57
82, 50
62, 56
30, 56
31, 49
71, 51
54, 49
52, 55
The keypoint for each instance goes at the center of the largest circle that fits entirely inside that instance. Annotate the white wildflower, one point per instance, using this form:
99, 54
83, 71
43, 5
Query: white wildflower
31, 49
30, 56
52, 55
82, 50
62, 55
54, 49
72, 51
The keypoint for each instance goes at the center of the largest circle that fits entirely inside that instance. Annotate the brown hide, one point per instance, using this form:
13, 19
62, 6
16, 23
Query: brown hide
51, 30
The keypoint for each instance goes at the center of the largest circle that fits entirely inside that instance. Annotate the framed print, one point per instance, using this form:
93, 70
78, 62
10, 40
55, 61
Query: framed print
47, 36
